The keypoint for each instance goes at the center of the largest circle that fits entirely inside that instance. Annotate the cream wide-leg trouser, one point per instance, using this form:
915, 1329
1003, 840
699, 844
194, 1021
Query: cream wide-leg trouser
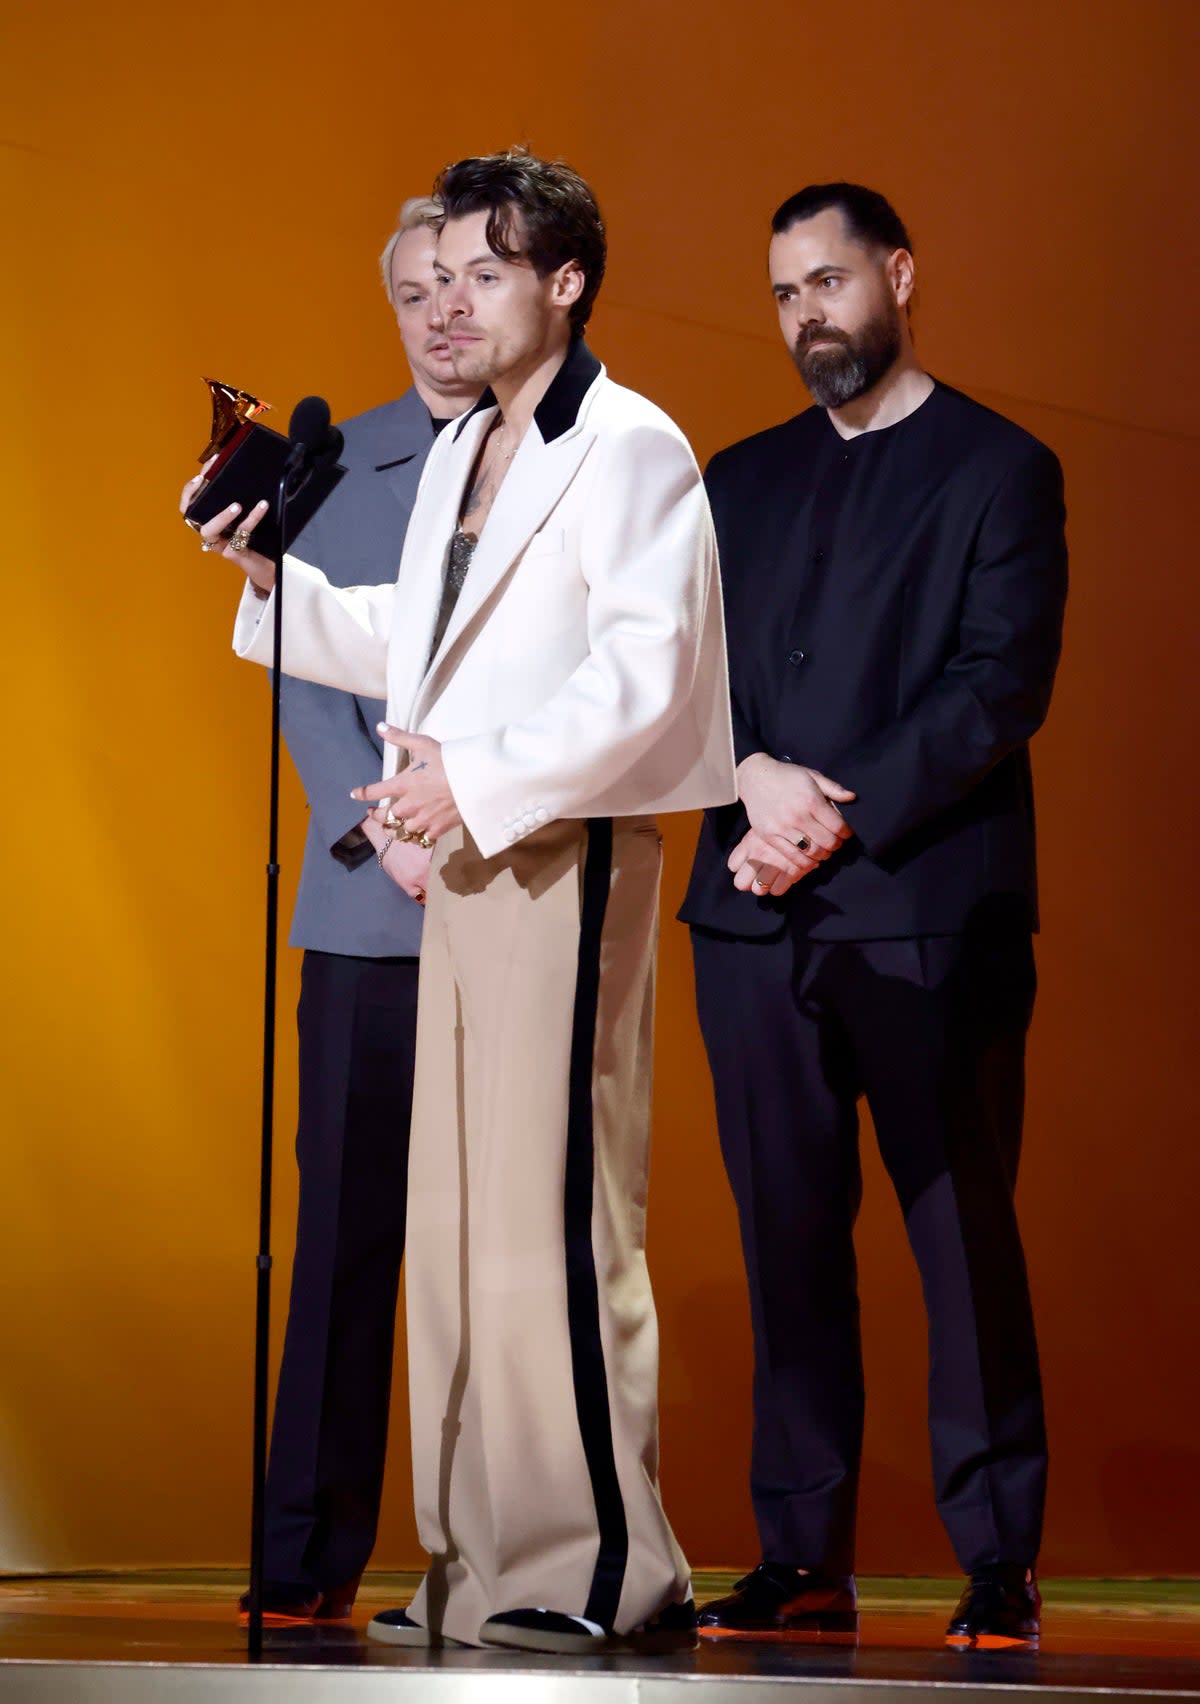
532, 1338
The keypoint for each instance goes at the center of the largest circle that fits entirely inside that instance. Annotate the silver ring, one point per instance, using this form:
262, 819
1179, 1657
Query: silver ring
803, 844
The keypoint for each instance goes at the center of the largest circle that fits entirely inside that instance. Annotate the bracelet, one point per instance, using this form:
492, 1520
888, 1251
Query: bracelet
384, 849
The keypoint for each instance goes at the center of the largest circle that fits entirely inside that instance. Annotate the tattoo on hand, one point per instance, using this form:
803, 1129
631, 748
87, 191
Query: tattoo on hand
424, 764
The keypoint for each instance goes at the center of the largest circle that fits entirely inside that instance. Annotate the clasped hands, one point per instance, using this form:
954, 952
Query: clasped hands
795, 824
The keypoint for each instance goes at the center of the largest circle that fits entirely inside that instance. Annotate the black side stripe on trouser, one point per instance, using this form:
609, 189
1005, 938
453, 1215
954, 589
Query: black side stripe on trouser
583, 1301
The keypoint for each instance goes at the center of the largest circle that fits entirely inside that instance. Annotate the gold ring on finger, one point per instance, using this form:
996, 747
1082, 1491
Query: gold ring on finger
424, 841
211, 543
803, 843
240, 539
394, 822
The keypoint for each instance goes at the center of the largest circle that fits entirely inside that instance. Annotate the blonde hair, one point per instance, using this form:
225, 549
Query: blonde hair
417, 212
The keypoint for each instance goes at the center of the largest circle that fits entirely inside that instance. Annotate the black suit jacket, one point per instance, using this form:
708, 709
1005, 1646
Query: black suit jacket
894, 607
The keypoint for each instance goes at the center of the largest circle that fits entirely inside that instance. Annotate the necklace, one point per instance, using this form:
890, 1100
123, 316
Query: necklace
489, 478
504, 454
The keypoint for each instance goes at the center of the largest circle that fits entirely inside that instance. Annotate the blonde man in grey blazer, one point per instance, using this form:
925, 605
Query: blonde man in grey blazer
554, 664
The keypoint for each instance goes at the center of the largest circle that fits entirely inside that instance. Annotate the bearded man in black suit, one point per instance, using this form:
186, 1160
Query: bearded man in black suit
895, 575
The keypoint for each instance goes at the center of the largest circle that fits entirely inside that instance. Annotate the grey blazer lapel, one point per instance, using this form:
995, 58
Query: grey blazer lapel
399, 441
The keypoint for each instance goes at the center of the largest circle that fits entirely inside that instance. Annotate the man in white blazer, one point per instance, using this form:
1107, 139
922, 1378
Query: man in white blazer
553, 659
360, 931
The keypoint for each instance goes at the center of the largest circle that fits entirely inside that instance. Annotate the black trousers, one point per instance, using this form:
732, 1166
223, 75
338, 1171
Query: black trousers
357, 1025
932, 1031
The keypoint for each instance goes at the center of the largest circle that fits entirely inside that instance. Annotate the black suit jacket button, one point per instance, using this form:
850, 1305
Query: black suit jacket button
795, 657
818, 556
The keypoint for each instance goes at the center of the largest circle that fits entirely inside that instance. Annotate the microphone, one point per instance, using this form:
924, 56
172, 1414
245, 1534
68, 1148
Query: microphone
312, 441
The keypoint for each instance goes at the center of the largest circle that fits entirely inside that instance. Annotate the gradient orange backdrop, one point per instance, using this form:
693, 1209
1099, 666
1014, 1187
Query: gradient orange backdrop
205, 191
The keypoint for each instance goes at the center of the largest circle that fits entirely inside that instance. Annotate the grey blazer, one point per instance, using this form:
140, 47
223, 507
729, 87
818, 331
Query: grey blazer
356, 538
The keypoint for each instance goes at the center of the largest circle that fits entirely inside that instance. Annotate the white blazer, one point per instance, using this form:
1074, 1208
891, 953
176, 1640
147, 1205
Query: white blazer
583, 671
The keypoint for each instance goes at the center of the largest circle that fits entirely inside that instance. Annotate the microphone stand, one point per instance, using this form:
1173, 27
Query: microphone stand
262, 1310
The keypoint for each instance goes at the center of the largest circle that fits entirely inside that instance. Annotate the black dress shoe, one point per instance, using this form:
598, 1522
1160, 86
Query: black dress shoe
777, 1602
291, 1600
1000, 1607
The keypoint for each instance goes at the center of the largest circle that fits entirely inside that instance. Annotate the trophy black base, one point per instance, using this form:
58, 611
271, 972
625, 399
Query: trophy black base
247, 471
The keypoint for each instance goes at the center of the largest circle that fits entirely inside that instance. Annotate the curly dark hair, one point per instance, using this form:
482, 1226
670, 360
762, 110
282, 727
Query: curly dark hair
559, 218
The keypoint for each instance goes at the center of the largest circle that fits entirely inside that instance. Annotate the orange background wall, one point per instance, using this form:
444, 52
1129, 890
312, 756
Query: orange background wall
1043, 154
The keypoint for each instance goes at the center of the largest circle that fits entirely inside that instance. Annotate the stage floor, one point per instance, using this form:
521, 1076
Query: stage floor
174, 1637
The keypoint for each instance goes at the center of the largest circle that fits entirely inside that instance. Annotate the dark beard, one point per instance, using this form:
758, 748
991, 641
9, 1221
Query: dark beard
837, 375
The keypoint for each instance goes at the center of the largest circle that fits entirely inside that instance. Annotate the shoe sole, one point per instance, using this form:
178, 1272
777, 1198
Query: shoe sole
991, 1641
782, 1636
337, 1611
828, 1629
412, 1638
581, 1645
276, 1618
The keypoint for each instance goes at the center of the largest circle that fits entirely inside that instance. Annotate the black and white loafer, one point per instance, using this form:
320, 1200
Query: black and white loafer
396, 1627
552, 1631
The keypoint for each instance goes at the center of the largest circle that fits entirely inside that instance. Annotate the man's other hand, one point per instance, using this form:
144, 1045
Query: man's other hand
418, 796
791, 807
405, 861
